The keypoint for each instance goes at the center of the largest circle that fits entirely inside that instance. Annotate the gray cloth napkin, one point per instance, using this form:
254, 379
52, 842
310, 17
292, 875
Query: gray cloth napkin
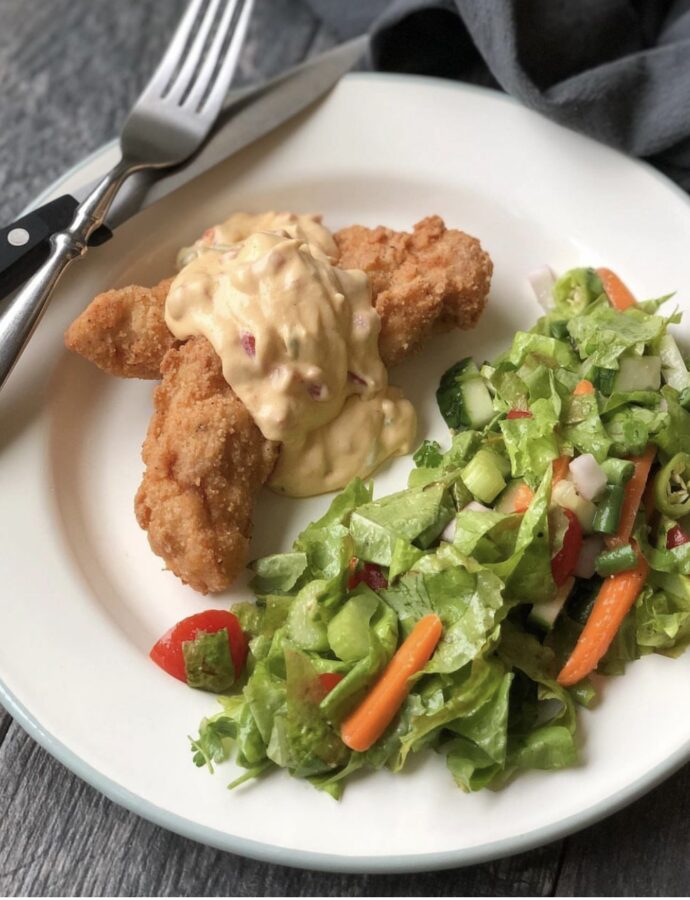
618, 70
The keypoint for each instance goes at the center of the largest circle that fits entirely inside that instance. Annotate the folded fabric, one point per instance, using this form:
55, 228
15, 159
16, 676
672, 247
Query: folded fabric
618, 70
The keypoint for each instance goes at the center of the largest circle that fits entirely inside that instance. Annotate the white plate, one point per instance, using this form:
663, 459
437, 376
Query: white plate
84, 598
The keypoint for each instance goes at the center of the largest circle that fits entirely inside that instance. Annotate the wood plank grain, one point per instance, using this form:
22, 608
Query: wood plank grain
640, 851
5, 722
71, 69
59, 836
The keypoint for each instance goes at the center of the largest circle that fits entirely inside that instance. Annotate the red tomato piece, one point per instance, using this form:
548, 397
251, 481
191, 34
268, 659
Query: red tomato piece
518, 414
565, 560
167, 651
676, 537
328, 680
248, 342
371, 575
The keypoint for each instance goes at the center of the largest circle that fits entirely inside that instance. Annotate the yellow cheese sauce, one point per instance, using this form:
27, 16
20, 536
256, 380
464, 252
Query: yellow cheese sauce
298, 342
240, 225
366, 432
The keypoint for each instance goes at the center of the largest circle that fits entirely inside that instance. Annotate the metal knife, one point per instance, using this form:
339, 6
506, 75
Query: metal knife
248, 115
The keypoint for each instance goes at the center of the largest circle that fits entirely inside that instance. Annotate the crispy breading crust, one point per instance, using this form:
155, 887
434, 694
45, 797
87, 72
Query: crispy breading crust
432, 280
123, 331
205, 462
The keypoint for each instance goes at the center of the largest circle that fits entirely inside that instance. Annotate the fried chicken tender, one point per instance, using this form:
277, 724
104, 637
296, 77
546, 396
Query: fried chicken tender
432, 280
205, 458
123, 331
205, 462
425, 282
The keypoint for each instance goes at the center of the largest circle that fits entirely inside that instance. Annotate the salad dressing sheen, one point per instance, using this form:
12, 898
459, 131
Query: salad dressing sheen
298, 341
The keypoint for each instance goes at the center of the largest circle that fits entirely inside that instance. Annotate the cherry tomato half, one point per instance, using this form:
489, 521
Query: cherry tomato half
565, 560
167, 651
676, 537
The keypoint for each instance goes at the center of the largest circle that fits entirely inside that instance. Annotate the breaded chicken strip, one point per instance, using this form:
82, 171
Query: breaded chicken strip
432, 280
423, 283
205, 458
123, 331
205, 462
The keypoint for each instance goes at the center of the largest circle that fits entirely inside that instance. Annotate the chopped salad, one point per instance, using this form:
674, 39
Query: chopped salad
547, 543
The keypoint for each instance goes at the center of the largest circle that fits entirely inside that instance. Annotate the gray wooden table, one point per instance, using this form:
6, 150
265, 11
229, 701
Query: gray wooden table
69, 69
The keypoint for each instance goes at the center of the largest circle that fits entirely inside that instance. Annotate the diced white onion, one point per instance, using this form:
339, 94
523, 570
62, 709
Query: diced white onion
448, 533
589, 477
542, 281
591, 548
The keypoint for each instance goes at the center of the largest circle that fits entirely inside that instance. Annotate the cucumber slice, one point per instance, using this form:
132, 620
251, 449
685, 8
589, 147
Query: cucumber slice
463, 397
543, 615
477, 402
638, 373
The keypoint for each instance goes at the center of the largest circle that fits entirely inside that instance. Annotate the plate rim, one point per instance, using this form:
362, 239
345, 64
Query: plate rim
328, 862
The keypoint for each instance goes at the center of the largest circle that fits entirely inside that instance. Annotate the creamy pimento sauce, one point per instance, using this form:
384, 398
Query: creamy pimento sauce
298, 342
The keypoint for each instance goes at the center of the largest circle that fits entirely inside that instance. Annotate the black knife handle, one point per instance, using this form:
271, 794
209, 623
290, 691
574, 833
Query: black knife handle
25, 244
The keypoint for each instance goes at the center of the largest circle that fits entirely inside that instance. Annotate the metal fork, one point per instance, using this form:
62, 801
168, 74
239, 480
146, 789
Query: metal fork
166, 125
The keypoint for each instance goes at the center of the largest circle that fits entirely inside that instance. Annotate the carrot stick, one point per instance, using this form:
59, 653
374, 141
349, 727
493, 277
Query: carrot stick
561, 467
616, 291
523, 497
367, 723
633, 495
583, 387
615, 598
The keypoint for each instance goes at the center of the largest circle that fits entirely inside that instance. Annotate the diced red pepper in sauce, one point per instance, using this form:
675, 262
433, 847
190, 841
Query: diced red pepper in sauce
371, 575
676, 537
328, 680
564, 562
248, 342
518, 414
167, 651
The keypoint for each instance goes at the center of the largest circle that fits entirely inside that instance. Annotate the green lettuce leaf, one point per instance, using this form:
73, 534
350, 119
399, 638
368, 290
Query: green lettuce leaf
208, 662
545, 349
630, 429
470, 605
605, 334
417, 514
662, 616
672, 434
278, 573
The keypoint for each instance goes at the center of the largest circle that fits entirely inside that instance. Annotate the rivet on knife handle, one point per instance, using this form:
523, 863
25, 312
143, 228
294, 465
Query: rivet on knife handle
24, 245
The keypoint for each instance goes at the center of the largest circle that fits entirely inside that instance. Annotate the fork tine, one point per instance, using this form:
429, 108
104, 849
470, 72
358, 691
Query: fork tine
236, 18
194, 55
175, 52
